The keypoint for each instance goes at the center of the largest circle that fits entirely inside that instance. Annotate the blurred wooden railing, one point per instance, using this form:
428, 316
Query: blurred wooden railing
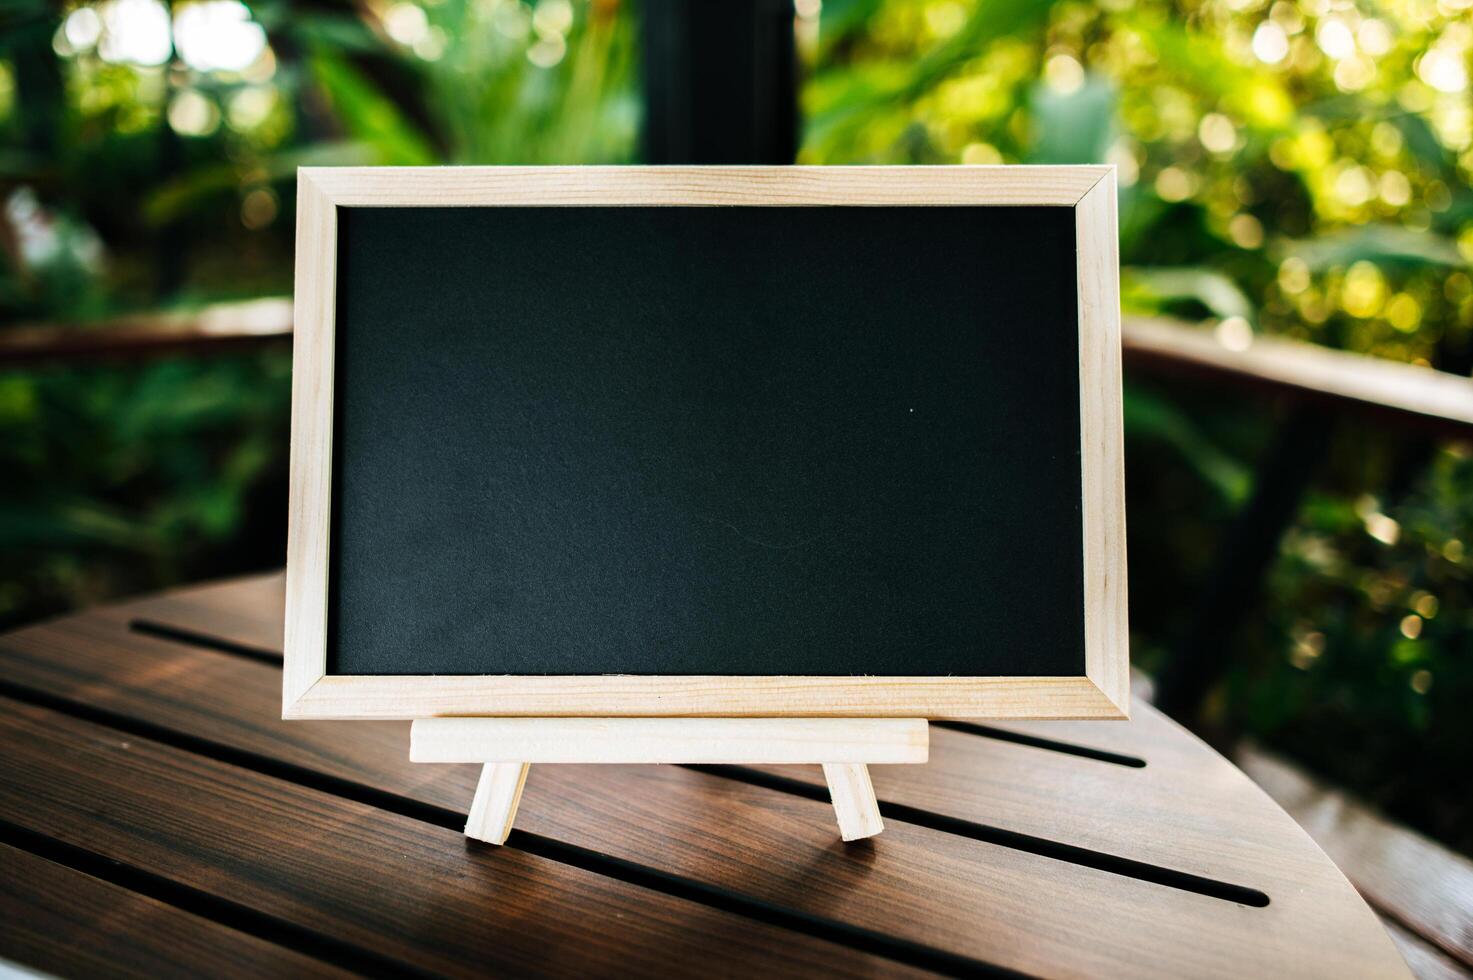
1401, 393
1322, 386
221, 328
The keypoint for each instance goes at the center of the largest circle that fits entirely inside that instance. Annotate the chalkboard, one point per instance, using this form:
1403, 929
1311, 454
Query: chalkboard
629, 439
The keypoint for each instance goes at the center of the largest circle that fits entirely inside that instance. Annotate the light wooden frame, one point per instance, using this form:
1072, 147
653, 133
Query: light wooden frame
1103, 691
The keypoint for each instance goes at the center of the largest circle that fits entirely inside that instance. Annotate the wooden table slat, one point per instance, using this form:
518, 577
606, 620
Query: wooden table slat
63, 921
996, 783
1407, 876
749, 837
199, 663
1187, 810
412, 893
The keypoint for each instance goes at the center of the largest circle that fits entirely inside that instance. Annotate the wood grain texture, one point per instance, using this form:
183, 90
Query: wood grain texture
655, 740
770, 846
1103, 692
638, 696
699, 186
1222, 824
1187, 809
1426, 961
922, 886
854, 802
64, 922
494, 807
1405, 875
1102, 445
310, 494
247, 611
408, 892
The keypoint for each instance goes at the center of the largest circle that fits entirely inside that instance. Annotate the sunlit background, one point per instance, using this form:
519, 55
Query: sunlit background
1291, 168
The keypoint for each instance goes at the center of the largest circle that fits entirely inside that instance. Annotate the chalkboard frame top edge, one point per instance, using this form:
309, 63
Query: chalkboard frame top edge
1101, 692
692, 186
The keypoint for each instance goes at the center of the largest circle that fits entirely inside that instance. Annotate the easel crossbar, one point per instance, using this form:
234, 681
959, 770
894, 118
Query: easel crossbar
506, 748
736, 741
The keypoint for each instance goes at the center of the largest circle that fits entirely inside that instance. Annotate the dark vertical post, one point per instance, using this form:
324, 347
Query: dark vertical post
1233, 586
40, 104
1250, 544
720, 81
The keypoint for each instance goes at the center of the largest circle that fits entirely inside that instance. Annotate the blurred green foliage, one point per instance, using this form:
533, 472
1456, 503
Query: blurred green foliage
137, 174
1296, 167
123, 477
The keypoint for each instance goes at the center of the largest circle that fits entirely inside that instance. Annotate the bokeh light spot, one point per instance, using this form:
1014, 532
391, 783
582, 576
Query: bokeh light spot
192, 114
1217, 133
1234, 334
218, 35
1334, 38
1064, 74
134, 32
1270, 43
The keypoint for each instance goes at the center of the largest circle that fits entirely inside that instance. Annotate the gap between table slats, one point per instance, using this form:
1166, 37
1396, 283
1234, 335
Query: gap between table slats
245, 610
72, 731
68, 913
268, 658
898, 949
1086, 857
598, 807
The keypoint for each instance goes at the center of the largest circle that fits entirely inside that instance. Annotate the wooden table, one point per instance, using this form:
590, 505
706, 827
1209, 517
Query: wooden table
158, 818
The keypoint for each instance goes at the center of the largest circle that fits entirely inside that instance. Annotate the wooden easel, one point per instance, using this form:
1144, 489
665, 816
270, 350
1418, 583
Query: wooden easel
507, 747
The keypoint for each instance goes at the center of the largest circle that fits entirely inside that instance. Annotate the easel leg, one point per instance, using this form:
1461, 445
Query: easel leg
854, 800
495, 805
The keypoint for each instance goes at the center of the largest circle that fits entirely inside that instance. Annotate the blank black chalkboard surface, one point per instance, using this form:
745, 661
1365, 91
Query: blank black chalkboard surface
707, 442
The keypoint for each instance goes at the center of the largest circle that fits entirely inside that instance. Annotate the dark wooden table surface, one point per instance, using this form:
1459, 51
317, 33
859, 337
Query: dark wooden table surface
158, 818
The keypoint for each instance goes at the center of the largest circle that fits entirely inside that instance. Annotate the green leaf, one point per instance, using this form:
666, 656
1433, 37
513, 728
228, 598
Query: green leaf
75, 523
1153, 418
838, 20
850, 109
367, 115
1074, 127
178, 198
1254, 95
1212, 289
1382, 244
